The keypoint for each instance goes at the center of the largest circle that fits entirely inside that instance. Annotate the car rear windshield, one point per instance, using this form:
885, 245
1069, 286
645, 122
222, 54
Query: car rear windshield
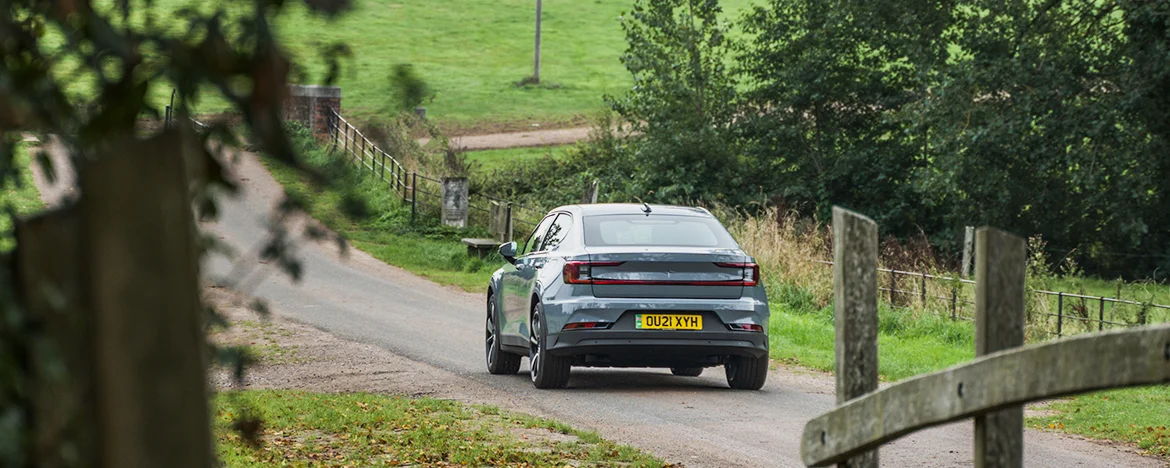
656, 230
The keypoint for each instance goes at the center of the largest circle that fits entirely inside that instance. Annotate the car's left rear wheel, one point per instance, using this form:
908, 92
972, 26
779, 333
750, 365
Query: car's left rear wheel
498, 361
547, 371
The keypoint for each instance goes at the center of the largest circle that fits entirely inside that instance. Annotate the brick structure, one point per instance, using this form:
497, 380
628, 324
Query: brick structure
310, 105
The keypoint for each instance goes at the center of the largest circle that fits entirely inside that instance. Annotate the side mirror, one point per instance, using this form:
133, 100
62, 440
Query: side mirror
508, 251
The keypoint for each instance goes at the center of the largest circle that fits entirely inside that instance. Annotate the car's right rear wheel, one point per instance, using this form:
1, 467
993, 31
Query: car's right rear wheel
746, 373
547, 371
686, 371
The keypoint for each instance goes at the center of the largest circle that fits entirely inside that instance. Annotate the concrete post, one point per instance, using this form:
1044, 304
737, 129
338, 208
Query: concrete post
455, 202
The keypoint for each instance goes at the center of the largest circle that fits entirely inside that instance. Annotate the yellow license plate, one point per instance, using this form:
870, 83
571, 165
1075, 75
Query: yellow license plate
668, 322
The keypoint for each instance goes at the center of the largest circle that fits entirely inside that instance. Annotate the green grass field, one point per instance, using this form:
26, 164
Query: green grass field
471, 53
491, 160
20, 195
359, 429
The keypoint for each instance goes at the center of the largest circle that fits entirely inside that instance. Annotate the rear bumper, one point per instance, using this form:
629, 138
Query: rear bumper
656, 348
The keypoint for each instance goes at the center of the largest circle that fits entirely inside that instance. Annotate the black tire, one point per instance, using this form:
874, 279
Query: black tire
499, 362
547, 371
746, 373
686, 371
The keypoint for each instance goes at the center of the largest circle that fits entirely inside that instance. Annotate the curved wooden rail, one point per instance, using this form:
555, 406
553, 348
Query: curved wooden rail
1075, 365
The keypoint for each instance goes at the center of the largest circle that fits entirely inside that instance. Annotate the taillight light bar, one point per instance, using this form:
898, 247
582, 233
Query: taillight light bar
582, 272
745, 327
751, 272
587, 325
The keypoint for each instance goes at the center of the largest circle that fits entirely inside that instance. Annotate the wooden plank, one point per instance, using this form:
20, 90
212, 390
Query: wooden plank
855, 313
999, 325
140, 262
61, 363
1081, 364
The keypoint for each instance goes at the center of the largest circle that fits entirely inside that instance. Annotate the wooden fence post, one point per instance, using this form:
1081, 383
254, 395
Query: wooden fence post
1059, 314
968, 247
115, 278
855, 313
999, 325
49, 280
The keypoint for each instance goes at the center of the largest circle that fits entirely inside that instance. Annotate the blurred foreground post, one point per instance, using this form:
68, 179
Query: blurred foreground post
115, 279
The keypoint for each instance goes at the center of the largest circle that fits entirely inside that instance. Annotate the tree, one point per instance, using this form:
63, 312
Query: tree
85, 73
682, 103
826, 113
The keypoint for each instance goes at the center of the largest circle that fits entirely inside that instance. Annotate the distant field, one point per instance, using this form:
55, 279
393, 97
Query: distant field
490, 160
471, 52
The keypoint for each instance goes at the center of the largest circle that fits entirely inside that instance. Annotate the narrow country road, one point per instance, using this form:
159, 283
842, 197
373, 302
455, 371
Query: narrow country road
692, 421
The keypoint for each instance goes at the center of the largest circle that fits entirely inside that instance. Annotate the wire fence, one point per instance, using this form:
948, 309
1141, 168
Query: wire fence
423, 193
1050, 313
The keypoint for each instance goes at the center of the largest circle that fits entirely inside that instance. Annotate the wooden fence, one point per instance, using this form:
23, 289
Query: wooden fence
422, 193
990, 389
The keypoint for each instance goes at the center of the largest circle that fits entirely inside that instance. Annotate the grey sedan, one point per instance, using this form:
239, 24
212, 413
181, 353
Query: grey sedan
628, 285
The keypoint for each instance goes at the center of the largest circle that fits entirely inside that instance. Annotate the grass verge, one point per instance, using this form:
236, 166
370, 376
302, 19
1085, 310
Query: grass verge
19, 195
490, 160
360, 429
1138, 416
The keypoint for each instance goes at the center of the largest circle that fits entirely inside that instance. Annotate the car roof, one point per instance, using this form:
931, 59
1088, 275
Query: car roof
634, 208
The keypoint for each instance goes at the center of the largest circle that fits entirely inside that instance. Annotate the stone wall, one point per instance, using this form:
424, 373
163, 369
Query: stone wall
310, 105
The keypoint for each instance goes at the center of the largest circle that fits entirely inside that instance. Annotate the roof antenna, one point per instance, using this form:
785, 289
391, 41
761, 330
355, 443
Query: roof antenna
646, 208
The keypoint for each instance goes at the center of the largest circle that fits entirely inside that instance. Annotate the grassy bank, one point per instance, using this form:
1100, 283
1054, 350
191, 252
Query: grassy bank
311, 429
373, 219
19, 195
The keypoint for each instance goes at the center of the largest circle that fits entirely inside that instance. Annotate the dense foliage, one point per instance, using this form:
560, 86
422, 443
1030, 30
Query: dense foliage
91, 74
1045, 118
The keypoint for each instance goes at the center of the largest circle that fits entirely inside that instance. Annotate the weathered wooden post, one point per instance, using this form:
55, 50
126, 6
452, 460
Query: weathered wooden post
1059, 314
591, 191
500, 222
855, 313
999, 325
115, 277
968, 247
455, 198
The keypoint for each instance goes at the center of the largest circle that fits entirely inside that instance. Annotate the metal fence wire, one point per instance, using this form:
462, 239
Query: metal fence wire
424, 194
1055, 313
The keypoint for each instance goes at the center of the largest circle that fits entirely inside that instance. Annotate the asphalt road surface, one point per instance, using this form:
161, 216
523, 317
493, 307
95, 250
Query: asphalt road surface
692, 421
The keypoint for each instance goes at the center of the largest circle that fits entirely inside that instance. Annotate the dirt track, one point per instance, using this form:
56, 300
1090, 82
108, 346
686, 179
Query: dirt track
535, 137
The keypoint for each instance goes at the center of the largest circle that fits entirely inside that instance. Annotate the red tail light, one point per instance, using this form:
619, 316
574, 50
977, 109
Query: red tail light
751, 272
582, 272
586, 325
745, 327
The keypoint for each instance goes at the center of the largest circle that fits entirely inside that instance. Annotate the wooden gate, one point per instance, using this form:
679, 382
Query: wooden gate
992, 389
